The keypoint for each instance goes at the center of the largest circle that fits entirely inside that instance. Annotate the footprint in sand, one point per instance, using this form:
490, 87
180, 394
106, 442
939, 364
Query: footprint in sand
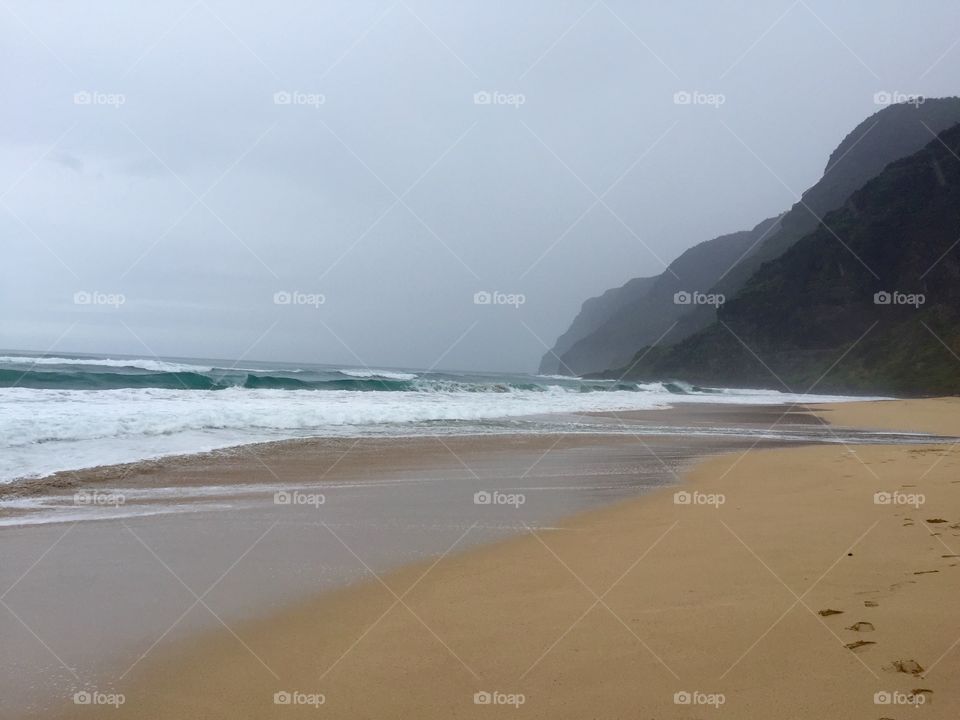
910, 667
859, 645
828, 612
897, 586
925, 572
871, 603
934, 521
862, 626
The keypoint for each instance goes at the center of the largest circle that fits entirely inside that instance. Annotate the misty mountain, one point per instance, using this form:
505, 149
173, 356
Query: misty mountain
870, 301
893, 133
594, 313
649, 313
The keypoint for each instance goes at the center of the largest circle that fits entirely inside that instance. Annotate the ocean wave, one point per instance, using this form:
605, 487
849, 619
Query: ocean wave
32, 416
216, 379
113, 377
42, 431
139, 363
60, 413
387, 374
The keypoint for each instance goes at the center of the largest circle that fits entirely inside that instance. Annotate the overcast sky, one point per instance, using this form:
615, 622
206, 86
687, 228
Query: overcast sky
147, 157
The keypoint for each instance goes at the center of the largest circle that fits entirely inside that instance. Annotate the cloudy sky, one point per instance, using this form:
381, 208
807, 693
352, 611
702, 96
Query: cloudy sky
193, 178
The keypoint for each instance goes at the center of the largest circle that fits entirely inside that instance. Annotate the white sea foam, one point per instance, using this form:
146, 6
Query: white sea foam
42, 431
140, 363
387, 374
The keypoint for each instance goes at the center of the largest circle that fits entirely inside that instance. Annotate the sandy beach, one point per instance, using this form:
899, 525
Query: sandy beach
448, 361
810, 581
103, 568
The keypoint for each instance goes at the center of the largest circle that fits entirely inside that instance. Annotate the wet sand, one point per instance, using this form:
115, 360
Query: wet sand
95, 585
303, 604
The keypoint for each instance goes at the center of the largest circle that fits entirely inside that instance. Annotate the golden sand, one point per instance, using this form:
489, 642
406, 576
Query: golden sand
784, 588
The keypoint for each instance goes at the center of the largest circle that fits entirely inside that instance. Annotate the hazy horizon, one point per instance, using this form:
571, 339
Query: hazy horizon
206, 162
69, 352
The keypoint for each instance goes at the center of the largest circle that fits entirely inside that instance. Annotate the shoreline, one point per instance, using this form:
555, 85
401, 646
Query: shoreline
111, 587
679, 419
208, 663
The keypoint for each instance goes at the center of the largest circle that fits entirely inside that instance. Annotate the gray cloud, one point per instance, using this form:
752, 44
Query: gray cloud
180, 182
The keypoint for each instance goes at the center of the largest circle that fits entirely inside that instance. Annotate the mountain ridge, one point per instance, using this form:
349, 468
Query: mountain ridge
888, 135
867, 302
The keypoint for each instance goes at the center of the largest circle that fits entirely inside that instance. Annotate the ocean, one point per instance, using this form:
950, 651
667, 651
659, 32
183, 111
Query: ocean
73, 411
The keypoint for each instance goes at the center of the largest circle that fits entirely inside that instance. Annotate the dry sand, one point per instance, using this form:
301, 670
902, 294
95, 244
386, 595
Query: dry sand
622, 608
932, 415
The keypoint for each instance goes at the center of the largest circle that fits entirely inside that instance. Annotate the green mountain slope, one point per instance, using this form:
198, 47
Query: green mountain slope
816, 316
